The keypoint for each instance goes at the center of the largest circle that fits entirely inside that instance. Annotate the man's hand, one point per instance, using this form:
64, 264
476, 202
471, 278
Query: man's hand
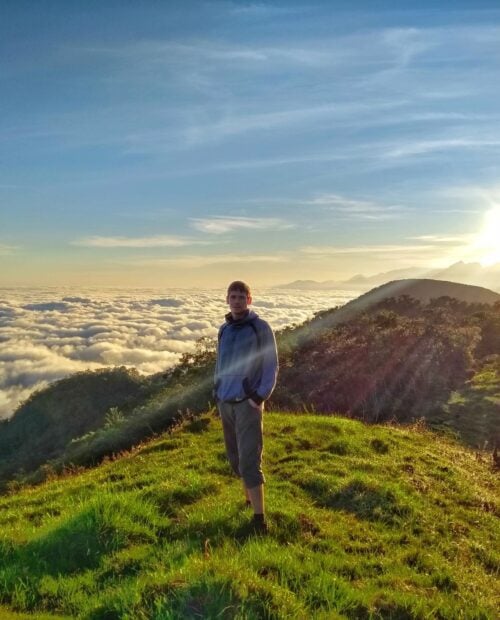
254, 404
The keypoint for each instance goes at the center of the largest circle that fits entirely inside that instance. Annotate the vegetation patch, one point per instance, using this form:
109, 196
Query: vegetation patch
380, 446
400, 360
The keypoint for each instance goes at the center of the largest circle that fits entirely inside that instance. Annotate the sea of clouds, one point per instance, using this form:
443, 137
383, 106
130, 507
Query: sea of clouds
47, 334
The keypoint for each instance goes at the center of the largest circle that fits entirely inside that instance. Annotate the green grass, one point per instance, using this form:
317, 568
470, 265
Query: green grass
365, 522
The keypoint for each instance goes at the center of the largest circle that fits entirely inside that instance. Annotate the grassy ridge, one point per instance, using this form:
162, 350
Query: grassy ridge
366, 522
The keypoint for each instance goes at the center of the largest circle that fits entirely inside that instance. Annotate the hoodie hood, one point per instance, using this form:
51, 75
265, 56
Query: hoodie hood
249, 316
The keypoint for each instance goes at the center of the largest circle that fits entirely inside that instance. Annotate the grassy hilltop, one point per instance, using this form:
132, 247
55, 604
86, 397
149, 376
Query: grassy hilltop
366, 522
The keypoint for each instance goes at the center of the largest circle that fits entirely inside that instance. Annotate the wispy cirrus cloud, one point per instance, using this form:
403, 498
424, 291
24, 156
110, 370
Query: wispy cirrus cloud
221, 224
422, 147
429, 249
227, 125
156, 241
408, 43
461, 211
485, 196
206, 54
7, 249
205, 65
203, 260
266, 162
357, 209
444, 239
220, 125
366, 249
399, 44
263, 10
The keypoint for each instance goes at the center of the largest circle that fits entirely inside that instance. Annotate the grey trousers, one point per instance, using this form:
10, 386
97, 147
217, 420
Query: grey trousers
242, 426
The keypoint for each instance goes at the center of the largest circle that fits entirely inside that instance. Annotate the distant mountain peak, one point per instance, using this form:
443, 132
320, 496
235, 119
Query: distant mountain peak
461, 272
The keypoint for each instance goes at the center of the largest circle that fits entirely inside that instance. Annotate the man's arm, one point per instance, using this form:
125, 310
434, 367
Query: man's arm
217, 357
269, 357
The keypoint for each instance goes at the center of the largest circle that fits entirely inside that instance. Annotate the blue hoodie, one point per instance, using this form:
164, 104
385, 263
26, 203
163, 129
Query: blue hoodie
247, 360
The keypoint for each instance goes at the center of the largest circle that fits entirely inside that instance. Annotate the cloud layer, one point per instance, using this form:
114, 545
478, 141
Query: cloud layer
48, 334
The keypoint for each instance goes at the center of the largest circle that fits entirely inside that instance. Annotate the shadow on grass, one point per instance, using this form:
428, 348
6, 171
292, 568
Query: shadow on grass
81, 542
214, 596
472, 413
366, 501
474, 418
170, 501
215, 530
163, 446
77, 545
198, 425
283, 527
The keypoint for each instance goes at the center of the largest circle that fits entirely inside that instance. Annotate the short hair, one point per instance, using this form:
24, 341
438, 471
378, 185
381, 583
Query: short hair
240, 286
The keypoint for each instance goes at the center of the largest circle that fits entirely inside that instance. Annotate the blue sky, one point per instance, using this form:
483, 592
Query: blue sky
190, 143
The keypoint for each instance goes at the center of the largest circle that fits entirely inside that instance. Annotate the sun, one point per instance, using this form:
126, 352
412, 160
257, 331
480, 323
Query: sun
487, 243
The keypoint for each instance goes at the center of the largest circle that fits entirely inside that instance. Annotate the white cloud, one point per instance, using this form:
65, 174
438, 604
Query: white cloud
168, 302
156, 241
221, 224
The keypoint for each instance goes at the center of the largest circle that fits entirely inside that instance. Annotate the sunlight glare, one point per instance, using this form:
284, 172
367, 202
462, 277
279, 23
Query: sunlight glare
488, 241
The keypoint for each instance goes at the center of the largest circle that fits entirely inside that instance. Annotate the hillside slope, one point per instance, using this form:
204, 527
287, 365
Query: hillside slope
421, 289
366, 522
48, 420
90, 415
399, 359
425, 289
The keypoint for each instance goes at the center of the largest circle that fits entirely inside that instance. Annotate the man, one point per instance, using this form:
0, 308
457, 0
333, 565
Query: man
245, 376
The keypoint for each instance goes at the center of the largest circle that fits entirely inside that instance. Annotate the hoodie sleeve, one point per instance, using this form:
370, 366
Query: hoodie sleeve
216, 370
269, 358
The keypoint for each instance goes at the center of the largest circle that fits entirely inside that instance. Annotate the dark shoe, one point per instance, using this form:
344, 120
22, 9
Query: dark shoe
259, 526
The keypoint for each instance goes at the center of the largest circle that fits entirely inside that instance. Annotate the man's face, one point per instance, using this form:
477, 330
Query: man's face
238, 303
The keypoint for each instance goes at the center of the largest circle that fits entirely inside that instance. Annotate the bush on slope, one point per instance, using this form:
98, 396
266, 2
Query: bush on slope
401, 360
